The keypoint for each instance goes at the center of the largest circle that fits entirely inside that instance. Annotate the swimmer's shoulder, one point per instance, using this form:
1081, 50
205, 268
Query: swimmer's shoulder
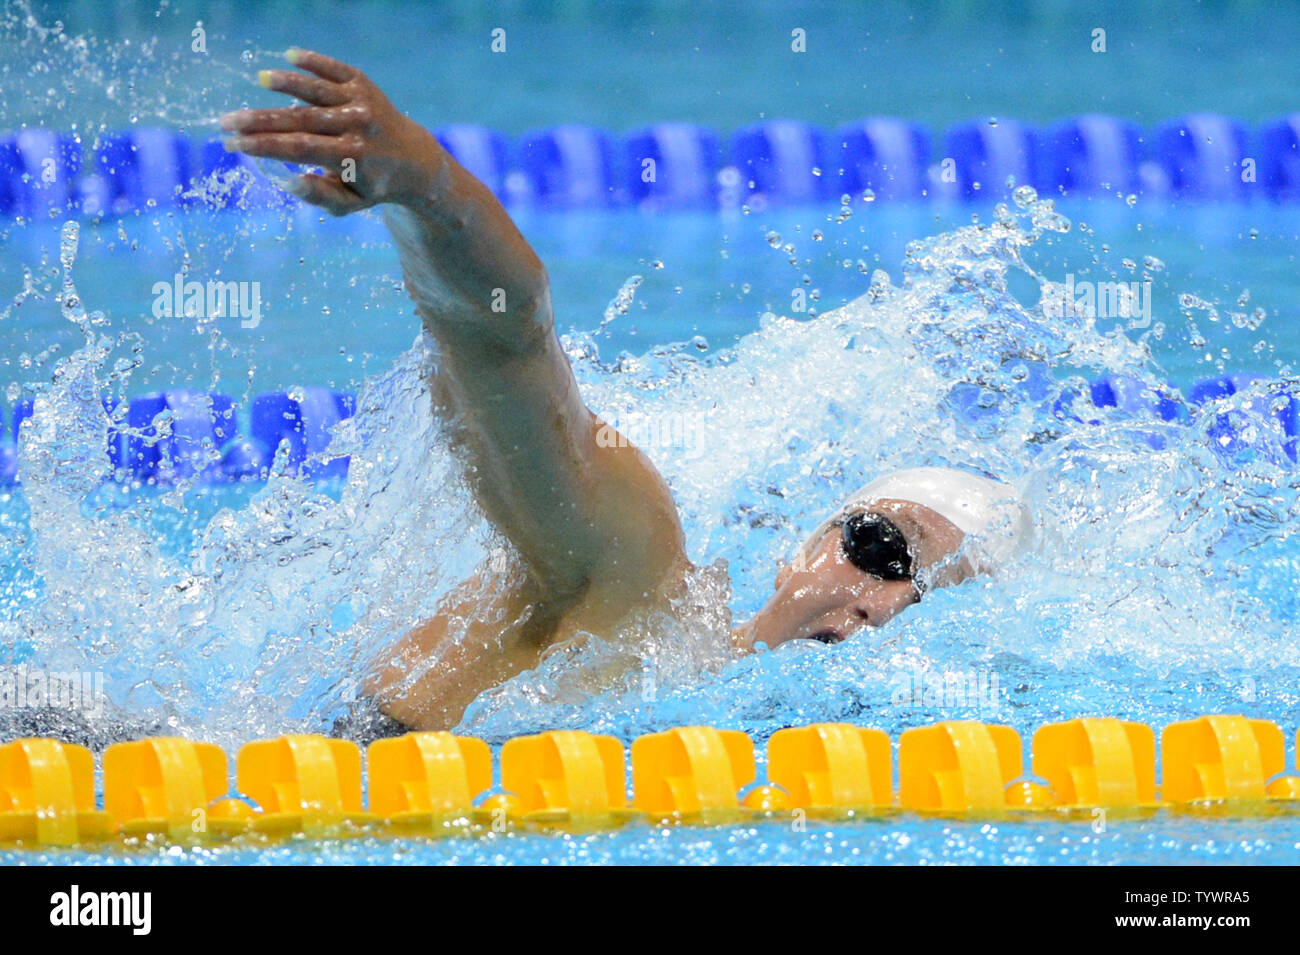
613, 608
644, 545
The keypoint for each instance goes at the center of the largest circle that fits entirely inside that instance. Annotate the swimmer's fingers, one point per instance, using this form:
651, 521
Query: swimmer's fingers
307, 148
309, 89
326, 67
329, 192
296, 119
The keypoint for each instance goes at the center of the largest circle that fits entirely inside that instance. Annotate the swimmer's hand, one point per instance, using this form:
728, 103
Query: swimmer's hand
367, 150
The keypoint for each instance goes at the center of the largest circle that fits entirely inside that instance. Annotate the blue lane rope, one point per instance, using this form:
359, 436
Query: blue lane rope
681, 165
203, 437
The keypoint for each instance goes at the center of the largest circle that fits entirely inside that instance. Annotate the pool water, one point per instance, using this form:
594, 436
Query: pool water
702, 274
903, 840
1160, 586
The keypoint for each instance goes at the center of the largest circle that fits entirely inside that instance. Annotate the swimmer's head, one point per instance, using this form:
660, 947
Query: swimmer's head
889, 542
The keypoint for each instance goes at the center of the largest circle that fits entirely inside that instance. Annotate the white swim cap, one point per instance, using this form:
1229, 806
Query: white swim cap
980, 507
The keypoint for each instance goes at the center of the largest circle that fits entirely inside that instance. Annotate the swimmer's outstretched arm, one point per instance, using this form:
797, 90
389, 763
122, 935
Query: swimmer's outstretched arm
592, 520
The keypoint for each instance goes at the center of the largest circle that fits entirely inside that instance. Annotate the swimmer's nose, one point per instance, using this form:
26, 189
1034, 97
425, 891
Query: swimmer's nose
885, 603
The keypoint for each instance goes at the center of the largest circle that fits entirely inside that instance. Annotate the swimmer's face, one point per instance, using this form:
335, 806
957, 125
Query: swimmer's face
827, 595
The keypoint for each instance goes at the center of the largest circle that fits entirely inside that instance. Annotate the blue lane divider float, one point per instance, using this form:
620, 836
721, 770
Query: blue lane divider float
569, 167
783, 160
39, 169
8, 456
182, 434
303, 421
889, 157
672, 166
984, 156
142, 167
9, 441
22, 411
1202, 156
1198, 157
1090, 155
1279, 149
1135, 397
178, 433
1277, 404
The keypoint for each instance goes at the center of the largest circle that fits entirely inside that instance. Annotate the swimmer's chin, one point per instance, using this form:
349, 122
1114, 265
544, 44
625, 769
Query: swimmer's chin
743, 638
826, 635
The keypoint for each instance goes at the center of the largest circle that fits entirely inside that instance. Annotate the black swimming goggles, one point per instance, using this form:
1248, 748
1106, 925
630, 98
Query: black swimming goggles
874, 544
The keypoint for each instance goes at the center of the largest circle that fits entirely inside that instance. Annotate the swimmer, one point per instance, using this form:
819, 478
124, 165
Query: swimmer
593, 524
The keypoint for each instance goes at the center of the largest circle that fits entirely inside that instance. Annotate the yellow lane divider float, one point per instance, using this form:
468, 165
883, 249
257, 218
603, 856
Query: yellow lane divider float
163, 786
830, 768
566, 777
693, 772
1099, 763
47, 794
427, 779
178, 790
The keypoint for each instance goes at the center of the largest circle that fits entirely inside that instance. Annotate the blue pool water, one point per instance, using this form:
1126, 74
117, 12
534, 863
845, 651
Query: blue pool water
1162, 584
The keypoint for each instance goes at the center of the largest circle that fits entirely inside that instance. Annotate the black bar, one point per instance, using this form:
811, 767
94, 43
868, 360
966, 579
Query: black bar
328, 905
